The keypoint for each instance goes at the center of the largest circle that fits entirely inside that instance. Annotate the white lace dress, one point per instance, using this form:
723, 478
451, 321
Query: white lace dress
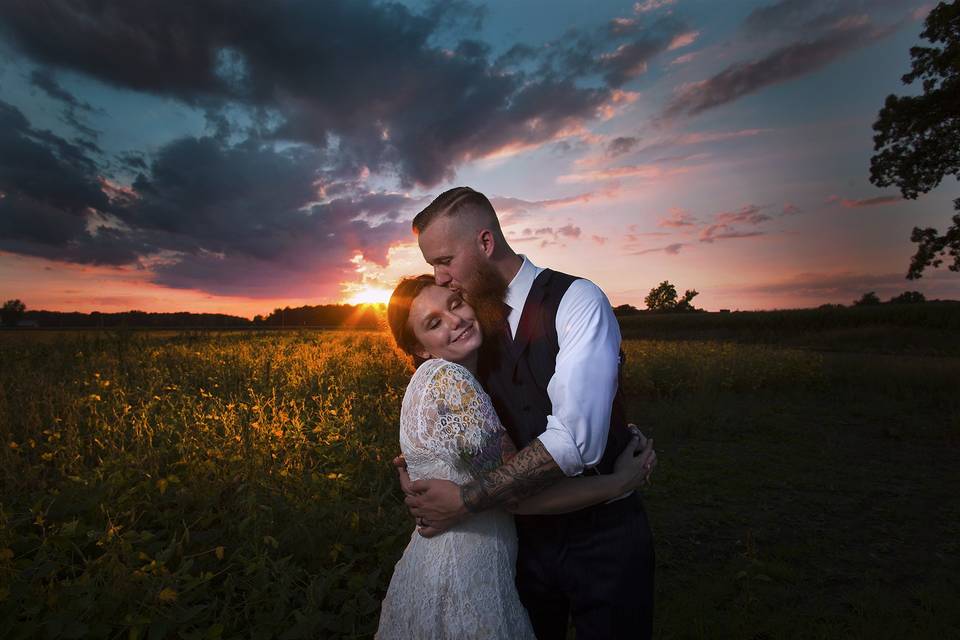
459, 584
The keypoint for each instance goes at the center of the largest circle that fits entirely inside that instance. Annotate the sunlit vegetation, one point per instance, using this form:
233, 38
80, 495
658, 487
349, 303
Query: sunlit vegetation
238, 485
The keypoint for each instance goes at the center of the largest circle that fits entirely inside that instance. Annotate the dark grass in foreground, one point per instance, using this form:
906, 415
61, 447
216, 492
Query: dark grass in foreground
238, 485
810, 511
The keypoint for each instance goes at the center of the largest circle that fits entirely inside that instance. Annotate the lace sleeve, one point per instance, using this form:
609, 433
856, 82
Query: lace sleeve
457, 422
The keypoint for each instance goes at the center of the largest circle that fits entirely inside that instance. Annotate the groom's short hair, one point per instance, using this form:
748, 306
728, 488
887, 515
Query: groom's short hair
454, 201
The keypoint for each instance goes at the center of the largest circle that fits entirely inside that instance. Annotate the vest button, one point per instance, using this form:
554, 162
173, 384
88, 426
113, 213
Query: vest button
526, 407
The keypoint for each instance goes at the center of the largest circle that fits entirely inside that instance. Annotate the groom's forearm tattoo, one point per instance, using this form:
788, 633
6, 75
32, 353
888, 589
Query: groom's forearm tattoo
529, 472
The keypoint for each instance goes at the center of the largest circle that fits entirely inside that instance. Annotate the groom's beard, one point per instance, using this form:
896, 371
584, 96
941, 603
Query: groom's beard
485, 294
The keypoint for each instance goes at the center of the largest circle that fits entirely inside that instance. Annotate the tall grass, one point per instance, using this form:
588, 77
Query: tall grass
203, 485
216, 485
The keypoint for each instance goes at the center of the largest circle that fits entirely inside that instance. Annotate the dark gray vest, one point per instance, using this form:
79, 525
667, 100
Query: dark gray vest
516, 372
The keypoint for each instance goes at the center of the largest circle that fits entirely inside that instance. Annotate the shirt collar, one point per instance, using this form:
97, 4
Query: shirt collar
519, 287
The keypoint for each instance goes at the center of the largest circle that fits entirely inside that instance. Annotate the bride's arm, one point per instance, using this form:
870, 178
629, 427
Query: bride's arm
572, 494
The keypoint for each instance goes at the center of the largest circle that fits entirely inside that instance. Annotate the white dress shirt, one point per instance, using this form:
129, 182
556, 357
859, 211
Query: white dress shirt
584, 382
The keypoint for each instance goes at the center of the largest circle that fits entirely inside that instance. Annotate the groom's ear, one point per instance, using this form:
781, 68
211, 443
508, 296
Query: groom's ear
486, 242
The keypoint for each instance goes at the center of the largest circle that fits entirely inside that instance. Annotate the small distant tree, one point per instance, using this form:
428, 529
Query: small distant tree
867, 299
662, 297
908, 297
12, 312
625, 310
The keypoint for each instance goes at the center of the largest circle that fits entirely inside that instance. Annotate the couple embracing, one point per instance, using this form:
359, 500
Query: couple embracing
518, 461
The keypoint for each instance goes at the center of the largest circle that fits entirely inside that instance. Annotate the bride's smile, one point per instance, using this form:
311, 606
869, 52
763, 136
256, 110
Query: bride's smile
445, 326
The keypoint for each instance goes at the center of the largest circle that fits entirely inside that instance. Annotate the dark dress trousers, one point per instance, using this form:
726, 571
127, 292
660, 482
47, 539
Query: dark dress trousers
595, 564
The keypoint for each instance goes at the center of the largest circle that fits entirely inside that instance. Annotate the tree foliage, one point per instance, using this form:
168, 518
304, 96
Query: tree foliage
869, 298
663, 297
908, 297
918, 137
12, 312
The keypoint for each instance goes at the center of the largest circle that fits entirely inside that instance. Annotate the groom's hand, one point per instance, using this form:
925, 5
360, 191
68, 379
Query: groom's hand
436, 504
405, 484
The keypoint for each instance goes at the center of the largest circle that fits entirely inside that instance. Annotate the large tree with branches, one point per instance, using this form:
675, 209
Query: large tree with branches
918, 137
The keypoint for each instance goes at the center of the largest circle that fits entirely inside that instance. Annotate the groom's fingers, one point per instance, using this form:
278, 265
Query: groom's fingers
405, 483
635, 430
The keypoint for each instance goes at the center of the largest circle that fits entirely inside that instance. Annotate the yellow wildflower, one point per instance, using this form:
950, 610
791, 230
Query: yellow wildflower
167, 595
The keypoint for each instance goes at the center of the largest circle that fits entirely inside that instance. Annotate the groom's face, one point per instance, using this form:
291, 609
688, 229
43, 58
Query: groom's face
454, 253
459, 262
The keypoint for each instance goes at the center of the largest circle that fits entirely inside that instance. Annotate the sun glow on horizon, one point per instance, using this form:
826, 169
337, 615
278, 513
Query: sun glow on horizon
370, 295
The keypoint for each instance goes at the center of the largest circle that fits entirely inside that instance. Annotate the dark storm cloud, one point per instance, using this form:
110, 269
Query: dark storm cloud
785, 63
41, 166
303, 101
241, 219
247, 219
48, 191
369, 79
44, 80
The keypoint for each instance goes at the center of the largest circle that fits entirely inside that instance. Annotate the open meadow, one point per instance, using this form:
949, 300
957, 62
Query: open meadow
238, 484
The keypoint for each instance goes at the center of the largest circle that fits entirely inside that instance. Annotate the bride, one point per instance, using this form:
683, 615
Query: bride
461, 584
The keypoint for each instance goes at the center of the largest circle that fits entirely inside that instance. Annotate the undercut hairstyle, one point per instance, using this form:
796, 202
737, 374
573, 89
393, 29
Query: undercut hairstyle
451, 202
398, 314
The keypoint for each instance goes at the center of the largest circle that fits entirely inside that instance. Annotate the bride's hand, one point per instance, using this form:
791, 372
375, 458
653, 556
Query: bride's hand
632, 468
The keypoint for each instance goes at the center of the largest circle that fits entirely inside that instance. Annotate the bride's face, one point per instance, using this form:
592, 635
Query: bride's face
444, 325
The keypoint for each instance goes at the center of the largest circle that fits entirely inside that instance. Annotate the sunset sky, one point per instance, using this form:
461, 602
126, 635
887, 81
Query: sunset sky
234, 157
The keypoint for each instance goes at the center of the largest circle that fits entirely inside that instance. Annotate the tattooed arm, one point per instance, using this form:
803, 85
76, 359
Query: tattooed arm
630, 471
529, 472
441, 503
530, 483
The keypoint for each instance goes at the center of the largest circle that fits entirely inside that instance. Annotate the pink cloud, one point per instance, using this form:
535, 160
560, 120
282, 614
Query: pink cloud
644, 171
749, 214
683, 40
678, 218
670, 249
651, 5
507, 205
725, 232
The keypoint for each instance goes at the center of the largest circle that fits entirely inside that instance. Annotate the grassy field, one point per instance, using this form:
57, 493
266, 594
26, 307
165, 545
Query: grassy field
238, 485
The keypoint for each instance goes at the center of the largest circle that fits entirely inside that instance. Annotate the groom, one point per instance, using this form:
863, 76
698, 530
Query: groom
553, 379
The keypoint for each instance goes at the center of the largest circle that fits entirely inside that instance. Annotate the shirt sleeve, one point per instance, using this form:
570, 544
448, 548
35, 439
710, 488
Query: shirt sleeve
584, 382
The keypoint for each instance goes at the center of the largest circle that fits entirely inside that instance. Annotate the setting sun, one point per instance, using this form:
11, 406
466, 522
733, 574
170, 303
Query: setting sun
370, 295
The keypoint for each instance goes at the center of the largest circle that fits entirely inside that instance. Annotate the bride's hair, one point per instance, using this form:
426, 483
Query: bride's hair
398, 314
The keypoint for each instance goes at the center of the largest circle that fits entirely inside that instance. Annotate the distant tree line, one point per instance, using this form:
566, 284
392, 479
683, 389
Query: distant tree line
52, 319
14, 313
907, 297
363, 316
